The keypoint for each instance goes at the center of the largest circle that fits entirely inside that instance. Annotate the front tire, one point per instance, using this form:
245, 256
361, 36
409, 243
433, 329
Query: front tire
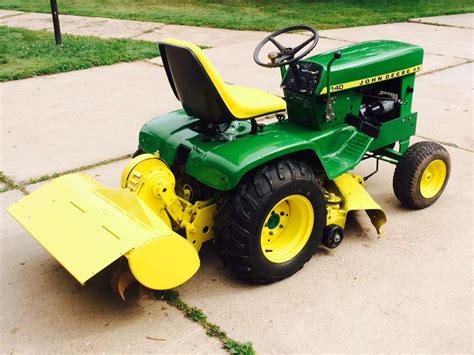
271, 224
421, 175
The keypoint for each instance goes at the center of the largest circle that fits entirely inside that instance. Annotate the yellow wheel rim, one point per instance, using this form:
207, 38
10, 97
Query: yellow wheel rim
287, 228
433, 178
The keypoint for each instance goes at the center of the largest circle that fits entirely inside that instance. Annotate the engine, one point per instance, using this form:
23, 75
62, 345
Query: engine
377, 109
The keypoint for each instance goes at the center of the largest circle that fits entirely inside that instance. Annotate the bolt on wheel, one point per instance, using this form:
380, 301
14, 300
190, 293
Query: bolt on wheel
287, 228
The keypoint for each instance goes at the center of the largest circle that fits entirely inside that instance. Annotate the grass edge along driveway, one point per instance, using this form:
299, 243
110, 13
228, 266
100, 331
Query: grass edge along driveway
25, 53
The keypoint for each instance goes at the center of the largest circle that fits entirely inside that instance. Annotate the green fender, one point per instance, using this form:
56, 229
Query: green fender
222, 164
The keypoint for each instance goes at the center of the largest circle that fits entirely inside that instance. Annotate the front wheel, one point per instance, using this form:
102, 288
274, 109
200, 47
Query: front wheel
421, 175
271, 224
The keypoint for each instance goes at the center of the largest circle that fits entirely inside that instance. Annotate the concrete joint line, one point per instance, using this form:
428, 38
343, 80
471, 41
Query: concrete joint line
445, 68
447, 56
173, 299
12, 15
337, 39
23, 184
449, 144
438, 24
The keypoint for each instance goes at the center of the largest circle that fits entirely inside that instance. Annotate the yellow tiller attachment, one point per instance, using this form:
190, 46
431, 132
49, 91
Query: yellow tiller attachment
86, 227
348, 194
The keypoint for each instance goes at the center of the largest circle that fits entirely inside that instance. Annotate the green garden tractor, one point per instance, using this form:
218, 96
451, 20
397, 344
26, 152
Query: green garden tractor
267, 194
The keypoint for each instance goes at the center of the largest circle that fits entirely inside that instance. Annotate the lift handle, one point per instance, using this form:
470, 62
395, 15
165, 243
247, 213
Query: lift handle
337, 55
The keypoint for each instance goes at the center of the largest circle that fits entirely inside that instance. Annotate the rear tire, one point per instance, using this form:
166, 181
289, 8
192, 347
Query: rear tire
138, 152
271, 224
421, 175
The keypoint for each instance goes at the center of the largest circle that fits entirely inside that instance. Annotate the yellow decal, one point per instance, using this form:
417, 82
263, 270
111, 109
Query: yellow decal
372, 80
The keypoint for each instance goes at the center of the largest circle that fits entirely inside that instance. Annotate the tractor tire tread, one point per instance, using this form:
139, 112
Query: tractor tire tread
408, 170
234, 227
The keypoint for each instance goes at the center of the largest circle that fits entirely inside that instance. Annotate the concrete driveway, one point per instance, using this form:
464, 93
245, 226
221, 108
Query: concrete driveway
408, 291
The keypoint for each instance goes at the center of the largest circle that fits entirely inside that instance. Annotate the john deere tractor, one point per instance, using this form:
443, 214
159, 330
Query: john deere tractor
267, 194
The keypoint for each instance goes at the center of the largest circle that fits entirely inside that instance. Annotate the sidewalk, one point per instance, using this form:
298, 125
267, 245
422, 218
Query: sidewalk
112, 28
408, 291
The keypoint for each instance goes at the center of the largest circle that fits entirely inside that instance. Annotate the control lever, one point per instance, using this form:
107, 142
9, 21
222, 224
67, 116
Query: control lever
330, 108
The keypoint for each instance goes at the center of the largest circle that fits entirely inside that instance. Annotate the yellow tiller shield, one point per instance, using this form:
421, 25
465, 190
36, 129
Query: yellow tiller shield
86, 227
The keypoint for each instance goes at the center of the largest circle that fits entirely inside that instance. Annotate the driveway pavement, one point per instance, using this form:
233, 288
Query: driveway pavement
408, 291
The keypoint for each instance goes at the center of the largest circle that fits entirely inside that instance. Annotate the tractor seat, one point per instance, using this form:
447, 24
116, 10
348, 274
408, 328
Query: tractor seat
203, 93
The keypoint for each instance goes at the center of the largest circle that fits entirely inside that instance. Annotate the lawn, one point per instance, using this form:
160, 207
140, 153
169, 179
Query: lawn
25, 53
253, 15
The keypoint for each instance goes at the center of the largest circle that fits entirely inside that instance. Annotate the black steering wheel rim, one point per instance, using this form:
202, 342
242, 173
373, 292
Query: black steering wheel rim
286, 55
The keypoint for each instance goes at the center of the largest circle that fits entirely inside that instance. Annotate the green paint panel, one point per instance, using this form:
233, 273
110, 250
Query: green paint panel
366, 60
221, 165
399, 129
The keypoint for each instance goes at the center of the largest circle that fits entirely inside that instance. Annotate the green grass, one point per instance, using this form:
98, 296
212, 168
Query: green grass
253, 15
196, 315
25, 53
7, 183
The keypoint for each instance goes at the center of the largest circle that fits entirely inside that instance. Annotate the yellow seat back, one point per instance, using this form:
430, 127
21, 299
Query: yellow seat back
202, 91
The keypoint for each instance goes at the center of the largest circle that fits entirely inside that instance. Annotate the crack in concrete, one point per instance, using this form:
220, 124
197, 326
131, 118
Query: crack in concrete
160, 26
10, 184
148, 61
151, 30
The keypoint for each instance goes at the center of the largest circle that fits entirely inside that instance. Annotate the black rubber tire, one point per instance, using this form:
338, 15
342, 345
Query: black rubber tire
138, 152
409, 170
242, 213
329, 236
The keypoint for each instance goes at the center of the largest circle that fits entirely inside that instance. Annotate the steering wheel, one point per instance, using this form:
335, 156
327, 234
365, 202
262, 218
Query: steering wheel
286, 55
